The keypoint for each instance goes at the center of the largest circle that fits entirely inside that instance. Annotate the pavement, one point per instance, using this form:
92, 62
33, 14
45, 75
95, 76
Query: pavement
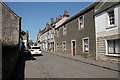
106, 65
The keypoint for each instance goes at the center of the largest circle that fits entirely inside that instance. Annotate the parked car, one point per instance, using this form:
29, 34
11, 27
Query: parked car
35, 50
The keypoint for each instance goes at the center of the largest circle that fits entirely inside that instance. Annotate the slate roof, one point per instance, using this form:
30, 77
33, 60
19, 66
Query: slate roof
80, 13
106, 6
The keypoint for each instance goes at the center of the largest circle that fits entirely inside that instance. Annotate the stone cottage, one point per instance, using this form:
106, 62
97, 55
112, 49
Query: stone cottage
107, 22
76, 35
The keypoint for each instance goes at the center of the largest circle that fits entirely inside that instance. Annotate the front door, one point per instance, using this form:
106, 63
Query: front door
48, 46
73, 48
53, 46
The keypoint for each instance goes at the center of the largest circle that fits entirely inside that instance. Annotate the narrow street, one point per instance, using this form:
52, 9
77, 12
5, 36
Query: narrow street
74, 39
53, 66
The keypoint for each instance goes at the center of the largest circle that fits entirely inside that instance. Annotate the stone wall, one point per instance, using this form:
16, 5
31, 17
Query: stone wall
9, 60
0, 21
101, 49
73, 33
0, 60
10, 40
10, 26
0, 41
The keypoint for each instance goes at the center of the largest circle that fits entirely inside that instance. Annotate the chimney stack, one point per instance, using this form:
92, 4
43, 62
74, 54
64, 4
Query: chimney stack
57, 19
51, 21
65, 14
60, 17
47, 24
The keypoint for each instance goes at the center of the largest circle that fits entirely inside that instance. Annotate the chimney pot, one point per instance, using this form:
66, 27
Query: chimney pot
60, 17
47, 23
51, 21
51, 18
65, 14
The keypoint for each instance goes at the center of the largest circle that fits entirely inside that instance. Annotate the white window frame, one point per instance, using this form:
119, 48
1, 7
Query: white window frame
107, 52
63, 45
108, 20
58, 33
51, 35
72, 47
57, 46
64, 29
48, 35
79, 21
83, 43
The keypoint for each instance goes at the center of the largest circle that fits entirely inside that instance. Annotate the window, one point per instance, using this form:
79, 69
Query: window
80, 22
58, 33
64, 46
86, 45
64, 29
48, 36
111, 18
51, 35
113, 46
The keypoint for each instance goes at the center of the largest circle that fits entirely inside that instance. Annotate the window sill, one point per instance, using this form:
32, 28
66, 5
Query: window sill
112, 26
64, 34
86, 52
81, 28
114, 55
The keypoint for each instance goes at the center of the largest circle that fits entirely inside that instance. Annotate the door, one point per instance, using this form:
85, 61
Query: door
48, 46
73, 48
53, 46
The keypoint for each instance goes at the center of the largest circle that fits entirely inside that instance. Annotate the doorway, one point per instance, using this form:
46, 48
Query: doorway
73, 47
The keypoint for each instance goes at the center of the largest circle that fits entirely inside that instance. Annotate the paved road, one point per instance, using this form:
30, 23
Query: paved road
53, 66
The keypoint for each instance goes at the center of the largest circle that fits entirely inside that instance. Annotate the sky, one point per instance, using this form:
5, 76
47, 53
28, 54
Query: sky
35, 15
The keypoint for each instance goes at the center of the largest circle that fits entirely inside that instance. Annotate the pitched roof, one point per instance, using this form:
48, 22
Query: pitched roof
9, 9
61, 21
80, 13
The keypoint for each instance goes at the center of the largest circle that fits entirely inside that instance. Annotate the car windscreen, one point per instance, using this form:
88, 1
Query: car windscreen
35, 47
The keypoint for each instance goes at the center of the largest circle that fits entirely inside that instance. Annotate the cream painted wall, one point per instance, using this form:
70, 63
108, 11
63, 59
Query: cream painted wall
101, 22
119, 16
